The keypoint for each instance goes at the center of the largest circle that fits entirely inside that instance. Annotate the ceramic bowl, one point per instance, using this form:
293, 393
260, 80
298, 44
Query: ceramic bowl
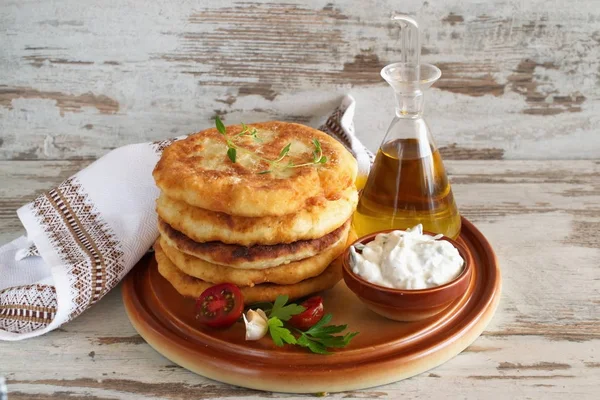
405, 304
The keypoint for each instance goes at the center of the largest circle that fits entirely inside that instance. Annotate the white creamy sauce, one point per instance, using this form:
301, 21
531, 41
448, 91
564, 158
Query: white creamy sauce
407, 260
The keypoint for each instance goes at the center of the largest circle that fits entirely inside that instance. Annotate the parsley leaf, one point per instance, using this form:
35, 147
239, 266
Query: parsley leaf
315, 347
283, 312
320, 336
323, 321
280, 334
327, 330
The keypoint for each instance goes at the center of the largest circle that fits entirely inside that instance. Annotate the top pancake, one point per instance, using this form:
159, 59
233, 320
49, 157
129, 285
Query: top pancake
198, 171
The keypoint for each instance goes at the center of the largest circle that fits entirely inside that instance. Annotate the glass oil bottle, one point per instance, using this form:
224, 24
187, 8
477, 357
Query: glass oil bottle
408, 184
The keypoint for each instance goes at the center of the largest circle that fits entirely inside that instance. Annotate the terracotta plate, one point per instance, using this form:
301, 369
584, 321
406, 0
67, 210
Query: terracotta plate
385, 351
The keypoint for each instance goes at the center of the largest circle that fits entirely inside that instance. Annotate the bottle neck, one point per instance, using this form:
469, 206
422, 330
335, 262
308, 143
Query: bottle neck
409, 105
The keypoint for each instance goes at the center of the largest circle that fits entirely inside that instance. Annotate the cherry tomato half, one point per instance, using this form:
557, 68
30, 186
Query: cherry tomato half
310, 316
220, 306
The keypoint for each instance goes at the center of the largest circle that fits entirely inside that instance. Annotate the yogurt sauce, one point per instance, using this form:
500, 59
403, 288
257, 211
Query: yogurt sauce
407, 260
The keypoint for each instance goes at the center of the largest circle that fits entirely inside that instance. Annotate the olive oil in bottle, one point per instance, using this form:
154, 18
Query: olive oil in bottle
407, 186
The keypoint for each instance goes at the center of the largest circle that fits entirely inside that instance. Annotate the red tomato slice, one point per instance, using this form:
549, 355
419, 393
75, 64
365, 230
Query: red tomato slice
220, 306
310, 316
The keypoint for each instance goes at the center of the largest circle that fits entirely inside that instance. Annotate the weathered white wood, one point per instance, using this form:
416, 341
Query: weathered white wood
78, 77
543, 219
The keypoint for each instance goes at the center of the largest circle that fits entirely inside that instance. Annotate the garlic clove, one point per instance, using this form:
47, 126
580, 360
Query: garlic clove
256, 324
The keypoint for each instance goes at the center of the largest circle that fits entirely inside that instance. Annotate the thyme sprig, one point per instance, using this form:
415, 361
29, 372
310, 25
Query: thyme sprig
276, 164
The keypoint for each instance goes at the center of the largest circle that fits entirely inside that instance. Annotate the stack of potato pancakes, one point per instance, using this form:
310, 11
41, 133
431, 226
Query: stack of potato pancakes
272, 222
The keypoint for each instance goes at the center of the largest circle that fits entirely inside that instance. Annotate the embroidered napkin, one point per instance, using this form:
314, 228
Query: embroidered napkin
86, 234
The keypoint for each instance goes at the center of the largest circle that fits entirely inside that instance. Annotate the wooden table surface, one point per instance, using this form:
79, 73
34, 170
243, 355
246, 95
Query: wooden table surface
542, 218
516, 115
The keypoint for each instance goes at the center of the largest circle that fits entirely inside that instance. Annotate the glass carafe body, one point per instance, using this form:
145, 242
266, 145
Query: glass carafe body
408, 184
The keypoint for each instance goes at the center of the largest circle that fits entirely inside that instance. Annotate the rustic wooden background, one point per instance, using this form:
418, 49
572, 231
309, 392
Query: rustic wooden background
517, 115
79, 77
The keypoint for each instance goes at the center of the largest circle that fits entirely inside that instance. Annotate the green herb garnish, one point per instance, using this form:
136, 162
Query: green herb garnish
233, 147
320, 336
220, 126
231, 153
318, 339
285, 312
279, 334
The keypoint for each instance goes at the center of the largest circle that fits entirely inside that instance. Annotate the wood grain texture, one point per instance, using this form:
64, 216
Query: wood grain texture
542, 217
78, 78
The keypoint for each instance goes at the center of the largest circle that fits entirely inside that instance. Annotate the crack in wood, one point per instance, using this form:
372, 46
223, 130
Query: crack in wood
261, 89
592, 364
229, 100
109, 340
36, 48
363, 70
575, 337
354, 394
56, 23
547, 176
61, 395
480, 349
453, 19
472, 79
271, 114
578, 192
172, 391
39, 61
455, 152
65, 102
518, 377
540, 366
495, 211
29, 154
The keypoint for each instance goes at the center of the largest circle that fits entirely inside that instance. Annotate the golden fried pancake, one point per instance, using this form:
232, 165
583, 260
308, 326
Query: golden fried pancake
193, 287
312, 222
286, 274
197, 170
252, 257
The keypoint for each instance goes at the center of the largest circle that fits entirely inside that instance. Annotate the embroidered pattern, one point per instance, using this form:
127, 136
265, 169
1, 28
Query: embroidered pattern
30, 251
160, 145
90, 251
28, 308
